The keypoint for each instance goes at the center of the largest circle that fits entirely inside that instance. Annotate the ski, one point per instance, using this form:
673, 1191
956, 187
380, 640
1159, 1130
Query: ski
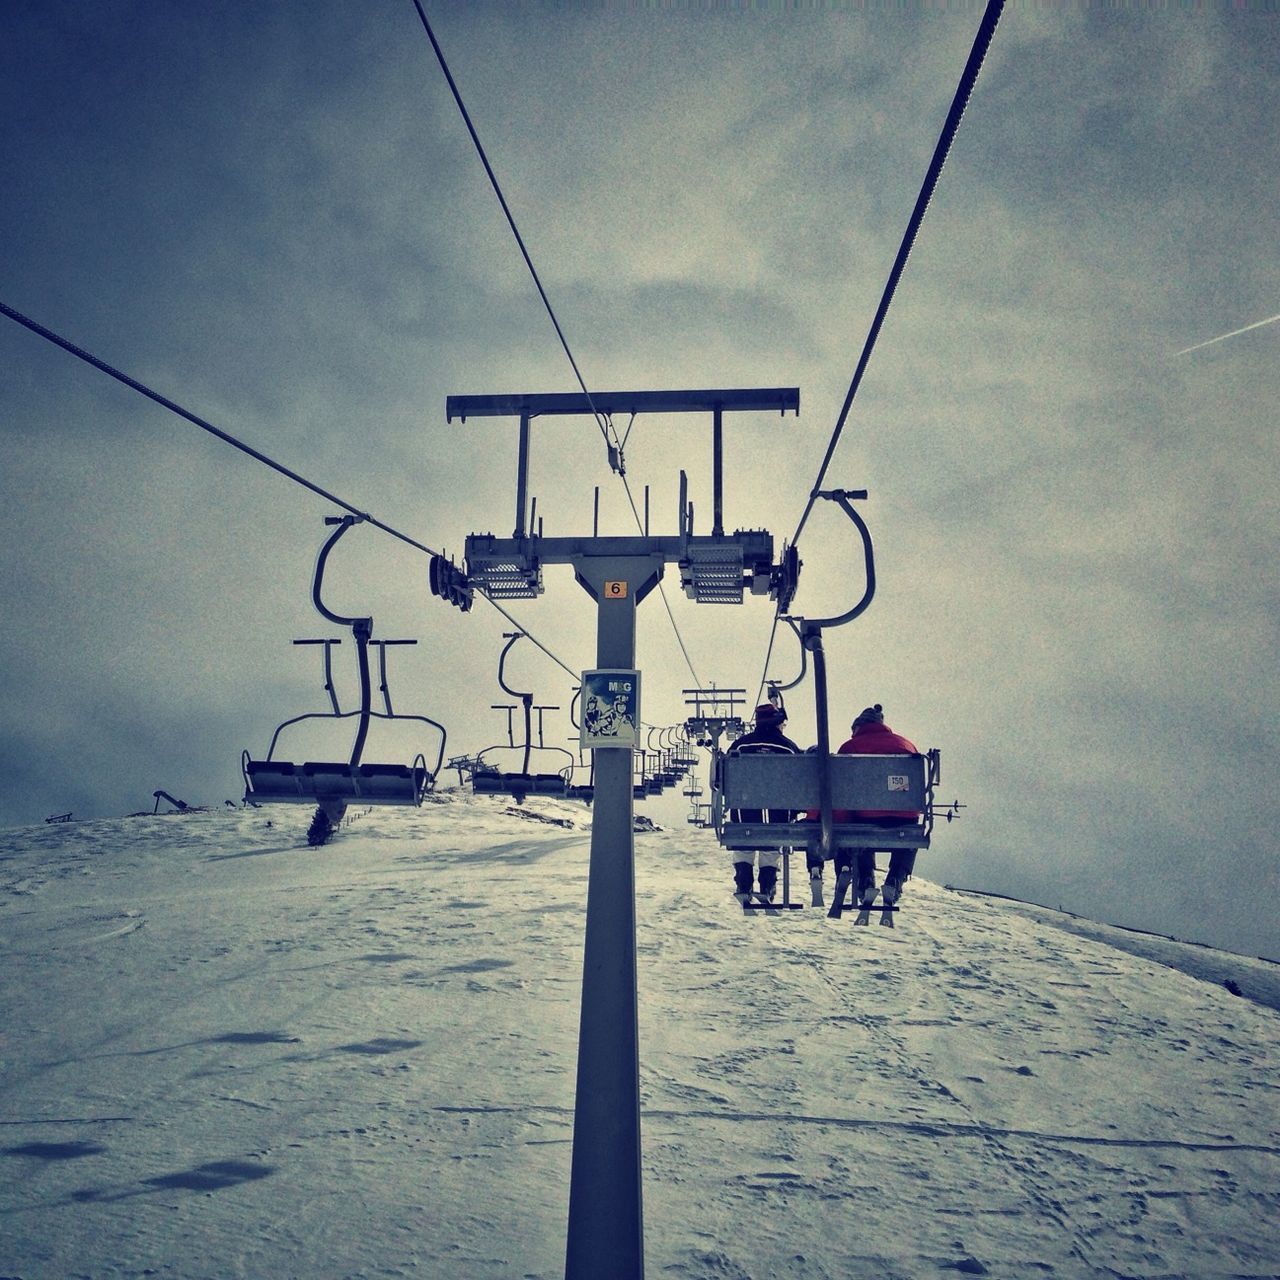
815, 889
843, 881
867, 905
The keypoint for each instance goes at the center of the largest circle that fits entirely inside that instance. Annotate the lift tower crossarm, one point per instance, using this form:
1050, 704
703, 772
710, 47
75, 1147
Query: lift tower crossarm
532, 405
575, 403
606, 1230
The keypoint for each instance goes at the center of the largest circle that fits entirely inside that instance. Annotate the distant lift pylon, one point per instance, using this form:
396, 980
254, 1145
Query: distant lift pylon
332, 785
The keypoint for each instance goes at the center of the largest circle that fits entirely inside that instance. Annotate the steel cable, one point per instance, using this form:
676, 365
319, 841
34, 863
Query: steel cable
511, 222
968, 78
546, 302
173, 407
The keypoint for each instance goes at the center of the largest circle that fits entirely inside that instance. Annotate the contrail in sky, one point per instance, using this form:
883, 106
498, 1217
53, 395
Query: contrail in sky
1223, 337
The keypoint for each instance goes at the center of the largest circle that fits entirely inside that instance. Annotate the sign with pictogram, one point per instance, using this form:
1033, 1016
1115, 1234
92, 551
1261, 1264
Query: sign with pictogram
610, 709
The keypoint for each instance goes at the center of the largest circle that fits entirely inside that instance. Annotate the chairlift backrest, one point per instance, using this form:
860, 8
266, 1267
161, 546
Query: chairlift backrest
772, 780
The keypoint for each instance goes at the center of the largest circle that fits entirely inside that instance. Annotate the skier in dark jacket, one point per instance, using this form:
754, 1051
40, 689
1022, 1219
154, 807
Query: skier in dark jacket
766, 738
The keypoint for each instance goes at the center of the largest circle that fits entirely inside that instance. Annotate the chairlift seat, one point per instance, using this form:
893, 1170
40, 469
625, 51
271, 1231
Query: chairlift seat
282, 782
859, 782
518, 785
806, 835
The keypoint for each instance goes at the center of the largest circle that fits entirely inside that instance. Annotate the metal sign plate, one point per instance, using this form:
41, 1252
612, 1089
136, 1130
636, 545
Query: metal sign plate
610, 709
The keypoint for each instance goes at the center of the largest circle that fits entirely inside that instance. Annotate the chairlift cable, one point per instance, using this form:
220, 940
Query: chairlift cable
166, 403
605, 429
968, 78
577, 675
661, 589
515, 231
173, 407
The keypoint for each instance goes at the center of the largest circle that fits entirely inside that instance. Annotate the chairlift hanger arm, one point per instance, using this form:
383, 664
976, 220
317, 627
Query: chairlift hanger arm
810, 627
358, 625
777, 685
511, 637
526, 699
810, 632
361, 630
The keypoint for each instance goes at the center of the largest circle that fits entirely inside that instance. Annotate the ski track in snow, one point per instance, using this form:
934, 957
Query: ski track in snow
226, 1054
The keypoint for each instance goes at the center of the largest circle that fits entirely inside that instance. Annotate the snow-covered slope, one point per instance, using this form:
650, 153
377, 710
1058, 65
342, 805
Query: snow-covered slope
226, 1054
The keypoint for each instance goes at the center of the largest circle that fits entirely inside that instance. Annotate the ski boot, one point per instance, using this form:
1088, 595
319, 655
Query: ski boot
768, 883
866, 895
889, 896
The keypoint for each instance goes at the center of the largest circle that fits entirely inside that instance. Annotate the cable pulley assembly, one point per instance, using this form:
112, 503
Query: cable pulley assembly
450, 583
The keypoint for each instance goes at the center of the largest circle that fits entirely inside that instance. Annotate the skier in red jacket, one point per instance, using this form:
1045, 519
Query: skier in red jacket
872, 737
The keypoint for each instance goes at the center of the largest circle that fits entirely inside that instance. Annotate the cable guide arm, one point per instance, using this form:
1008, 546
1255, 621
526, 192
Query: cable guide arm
841, 497
810, 632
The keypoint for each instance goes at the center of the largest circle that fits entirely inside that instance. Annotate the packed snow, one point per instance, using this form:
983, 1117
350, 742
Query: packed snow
226, 1054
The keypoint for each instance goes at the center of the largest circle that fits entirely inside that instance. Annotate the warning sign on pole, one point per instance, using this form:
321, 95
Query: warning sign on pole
610, 709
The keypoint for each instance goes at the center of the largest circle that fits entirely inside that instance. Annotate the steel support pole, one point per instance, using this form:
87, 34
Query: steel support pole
522, 477
812, 640
717, 473
606, 1213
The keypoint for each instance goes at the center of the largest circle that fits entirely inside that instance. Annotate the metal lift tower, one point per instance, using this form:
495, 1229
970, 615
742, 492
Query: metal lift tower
606, 1227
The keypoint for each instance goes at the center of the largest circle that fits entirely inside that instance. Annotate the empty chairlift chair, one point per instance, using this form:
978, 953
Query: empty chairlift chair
581, 781
332, 785
488, 779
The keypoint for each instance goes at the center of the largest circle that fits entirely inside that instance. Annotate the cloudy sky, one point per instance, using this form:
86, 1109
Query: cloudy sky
274, 216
